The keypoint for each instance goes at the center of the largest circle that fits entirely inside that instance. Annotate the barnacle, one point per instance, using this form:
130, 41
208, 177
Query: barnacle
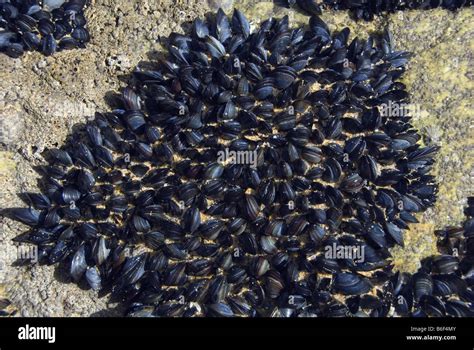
42, 25
230, 168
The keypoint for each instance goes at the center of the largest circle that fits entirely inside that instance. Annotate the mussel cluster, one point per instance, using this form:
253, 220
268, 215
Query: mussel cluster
6, 308
146, 203
367, 9
444, 285
46, 26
